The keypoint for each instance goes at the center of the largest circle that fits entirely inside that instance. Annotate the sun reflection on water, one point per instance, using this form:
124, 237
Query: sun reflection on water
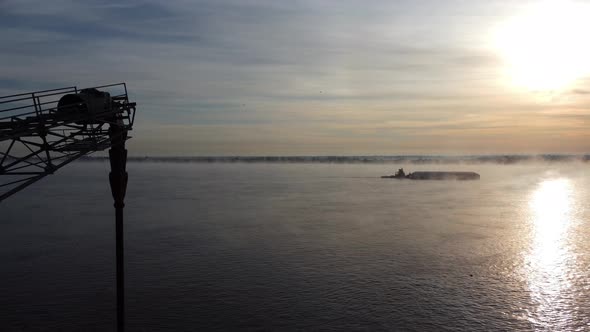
549, 262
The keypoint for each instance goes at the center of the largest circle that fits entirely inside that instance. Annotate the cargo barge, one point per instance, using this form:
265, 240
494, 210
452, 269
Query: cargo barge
433, 175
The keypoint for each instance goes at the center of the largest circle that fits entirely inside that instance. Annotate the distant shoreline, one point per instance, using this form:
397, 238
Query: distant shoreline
409, 159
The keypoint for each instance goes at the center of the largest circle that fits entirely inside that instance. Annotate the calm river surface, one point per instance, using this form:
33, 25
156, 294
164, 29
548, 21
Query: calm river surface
301, 247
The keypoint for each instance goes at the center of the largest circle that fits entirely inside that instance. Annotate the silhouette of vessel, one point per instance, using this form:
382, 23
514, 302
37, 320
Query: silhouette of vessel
433, 175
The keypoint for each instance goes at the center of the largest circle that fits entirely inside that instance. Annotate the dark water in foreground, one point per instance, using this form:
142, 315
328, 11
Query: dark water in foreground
301, 246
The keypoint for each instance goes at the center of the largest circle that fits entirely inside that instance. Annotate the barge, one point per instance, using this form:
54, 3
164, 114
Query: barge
433, 175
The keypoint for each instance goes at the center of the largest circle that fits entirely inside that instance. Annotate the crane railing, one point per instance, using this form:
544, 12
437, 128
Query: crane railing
39, 134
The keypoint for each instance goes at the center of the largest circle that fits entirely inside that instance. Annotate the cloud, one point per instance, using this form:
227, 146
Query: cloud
246, 66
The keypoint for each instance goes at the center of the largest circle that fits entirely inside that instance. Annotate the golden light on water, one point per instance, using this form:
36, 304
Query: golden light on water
551, 207
545, 47
549, 264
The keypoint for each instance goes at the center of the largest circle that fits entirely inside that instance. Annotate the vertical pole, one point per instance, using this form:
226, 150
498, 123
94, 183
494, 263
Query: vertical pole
118, 181
120, 272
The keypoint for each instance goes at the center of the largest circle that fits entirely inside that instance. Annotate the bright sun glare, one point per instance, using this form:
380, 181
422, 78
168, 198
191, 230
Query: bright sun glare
551, 206
548, 265
546, 48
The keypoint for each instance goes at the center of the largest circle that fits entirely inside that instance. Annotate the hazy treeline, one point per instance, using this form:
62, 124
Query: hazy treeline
496, 159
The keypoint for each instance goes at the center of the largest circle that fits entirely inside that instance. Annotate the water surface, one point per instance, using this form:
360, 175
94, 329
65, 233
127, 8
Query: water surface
301, 246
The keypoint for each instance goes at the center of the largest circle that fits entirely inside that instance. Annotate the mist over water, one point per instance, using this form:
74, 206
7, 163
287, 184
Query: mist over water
301, 246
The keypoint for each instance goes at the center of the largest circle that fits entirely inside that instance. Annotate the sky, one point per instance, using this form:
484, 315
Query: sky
254, 77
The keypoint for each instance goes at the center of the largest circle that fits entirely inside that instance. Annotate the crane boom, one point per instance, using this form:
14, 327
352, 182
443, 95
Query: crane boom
42, 131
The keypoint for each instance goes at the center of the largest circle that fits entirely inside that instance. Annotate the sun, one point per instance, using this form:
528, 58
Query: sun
546, 48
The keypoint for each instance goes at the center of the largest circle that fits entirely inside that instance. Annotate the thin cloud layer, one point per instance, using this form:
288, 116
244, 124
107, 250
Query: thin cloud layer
297, 77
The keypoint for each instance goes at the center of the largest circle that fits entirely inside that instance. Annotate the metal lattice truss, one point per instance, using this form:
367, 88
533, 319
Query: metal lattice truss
40, 134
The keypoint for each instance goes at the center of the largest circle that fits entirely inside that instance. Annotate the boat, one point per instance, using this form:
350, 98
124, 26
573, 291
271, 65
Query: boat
433, 175
400, 174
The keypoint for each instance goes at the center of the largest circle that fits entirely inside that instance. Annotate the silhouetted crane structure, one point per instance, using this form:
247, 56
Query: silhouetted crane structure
42, 131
